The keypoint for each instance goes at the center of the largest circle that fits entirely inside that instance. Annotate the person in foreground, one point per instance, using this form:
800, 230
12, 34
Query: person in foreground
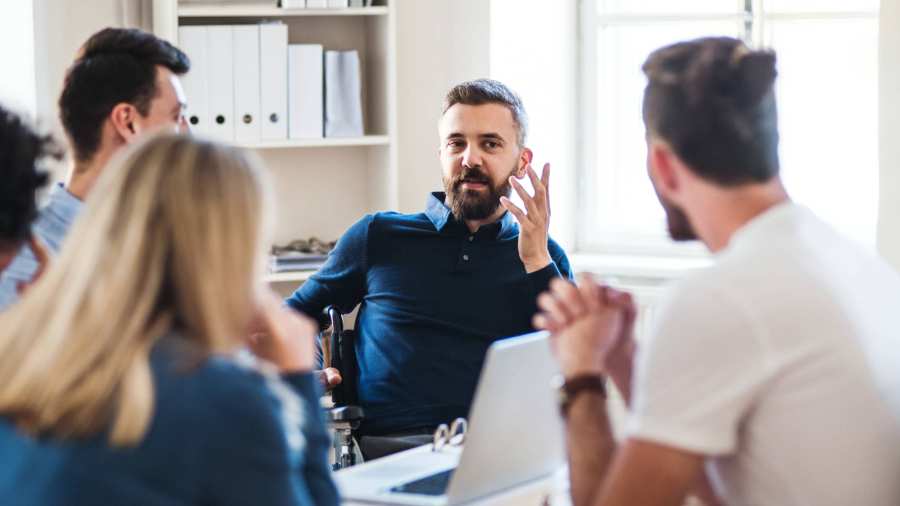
23, 153
123, 84
776, 367
436, 288
124, 378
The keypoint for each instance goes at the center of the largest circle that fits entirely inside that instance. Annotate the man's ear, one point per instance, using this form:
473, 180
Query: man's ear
663, 166
123, 118
525, 157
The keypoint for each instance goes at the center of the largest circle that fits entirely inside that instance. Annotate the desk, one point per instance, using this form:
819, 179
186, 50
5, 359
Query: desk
550, 491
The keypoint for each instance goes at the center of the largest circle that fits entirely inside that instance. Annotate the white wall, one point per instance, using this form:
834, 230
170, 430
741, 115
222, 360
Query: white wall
61, 26
17, 88
439, 43
889, 137
547, 86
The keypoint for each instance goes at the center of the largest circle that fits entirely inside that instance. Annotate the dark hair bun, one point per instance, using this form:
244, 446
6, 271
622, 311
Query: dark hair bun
711, 99
727, 70
756, 75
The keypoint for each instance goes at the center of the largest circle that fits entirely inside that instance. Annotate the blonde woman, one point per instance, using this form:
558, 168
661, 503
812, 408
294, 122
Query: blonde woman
122, 379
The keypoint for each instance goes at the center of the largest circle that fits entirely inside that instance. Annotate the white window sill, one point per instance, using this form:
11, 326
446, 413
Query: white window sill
637, 267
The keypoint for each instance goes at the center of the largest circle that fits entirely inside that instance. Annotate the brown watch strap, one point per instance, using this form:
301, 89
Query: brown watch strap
573, 386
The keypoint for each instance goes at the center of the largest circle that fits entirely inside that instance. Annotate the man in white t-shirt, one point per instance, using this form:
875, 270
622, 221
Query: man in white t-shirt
777, 370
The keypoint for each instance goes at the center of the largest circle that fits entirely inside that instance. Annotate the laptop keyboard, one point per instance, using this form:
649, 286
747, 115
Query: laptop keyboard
436, 484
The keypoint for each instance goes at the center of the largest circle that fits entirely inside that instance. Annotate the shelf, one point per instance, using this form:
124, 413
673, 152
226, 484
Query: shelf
262, 11
326, 142
362, 170
290, 276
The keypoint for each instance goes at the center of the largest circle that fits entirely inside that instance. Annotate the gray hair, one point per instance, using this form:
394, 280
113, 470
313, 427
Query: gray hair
489, 91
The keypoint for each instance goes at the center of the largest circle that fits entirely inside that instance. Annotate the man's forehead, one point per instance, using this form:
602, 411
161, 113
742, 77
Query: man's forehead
179, 90
477, 120
169, 85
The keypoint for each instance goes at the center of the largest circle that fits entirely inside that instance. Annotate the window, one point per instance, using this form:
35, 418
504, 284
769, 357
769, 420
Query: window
17, 88
827, 96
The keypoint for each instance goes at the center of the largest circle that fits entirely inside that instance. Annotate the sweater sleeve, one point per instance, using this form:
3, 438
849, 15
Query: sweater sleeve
316, 472
540, 280
342, 279
558, 267
266, 443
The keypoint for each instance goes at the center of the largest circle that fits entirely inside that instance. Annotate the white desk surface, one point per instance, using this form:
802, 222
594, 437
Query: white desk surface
550, 491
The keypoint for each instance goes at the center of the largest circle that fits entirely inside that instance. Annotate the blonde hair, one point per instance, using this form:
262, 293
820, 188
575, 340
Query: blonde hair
170, 240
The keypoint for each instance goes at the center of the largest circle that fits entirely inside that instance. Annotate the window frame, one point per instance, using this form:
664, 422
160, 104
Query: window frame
589, 235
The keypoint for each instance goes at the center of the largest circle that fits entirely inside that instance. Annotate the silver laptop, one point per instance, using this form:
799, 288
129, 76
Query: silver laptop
515, 436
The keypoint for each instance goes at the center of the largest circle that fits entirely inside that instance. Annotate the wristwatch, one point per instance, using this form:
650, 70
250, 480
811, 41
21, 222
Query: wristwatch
568, 389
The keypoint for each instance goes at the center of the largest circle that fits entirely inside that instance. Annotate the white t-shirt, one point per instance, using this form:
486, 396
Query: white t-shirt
782, 363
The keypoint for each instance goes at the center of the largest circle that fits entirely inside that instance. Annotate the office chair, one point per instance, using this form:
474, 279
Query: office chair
345, 416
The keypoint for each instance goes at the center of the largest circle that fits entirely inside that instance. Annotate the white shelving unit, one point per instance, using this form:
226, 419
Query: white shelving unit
324, 185
289, 277
328, 142
233, 11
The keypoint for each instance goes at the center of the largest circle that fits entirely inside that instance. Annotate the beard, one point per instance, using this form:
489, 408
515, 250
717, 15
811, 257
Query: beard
680, 228
475, 204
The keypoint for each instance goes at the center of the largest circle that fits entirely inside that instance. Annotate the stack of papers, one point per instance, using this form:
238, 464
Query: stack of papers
295, 261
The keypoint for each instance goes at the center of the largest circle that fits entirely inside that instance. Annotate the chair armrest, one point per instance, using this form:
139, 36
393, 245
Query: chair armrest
346, 414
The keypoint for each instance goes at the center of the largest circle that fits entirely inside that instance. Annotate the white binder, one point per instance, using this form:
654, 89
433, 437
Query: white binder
316, 4
306, 94
273, 63
221, 82
343, 106
338, 3
246, 84
192, 40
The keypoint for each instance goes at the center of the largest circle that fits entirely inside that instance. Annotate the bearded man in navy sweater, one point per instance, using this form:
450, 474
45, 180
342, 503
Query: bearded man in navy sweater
436, 288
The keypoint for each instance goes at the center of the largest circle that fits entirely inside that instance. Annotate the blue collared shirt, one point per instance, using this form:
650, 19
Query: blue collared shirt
433, 297
51, 226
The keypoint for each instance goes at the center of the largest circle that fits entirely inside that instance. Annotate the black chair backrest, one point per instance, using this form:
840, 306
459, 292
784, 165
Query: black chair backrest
343, 358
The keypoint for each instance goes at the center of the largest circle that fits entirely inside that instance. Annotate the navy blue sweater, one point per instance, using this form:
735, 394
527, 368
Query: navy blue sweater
222, 433
433, 297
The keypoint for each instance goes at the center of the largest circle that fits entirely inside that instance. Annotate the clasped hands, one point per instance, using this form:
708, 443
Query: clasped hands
592, 327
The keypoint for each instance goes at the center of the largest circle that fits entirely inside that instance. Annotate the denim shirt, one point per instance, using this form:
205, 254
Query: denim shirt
51, 226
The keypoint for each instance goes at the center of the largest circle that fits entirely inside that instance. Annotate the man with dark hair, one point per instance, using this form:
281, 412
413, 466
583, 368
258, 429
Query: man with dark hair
22, 154
776, 367
437, 288
123, 84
